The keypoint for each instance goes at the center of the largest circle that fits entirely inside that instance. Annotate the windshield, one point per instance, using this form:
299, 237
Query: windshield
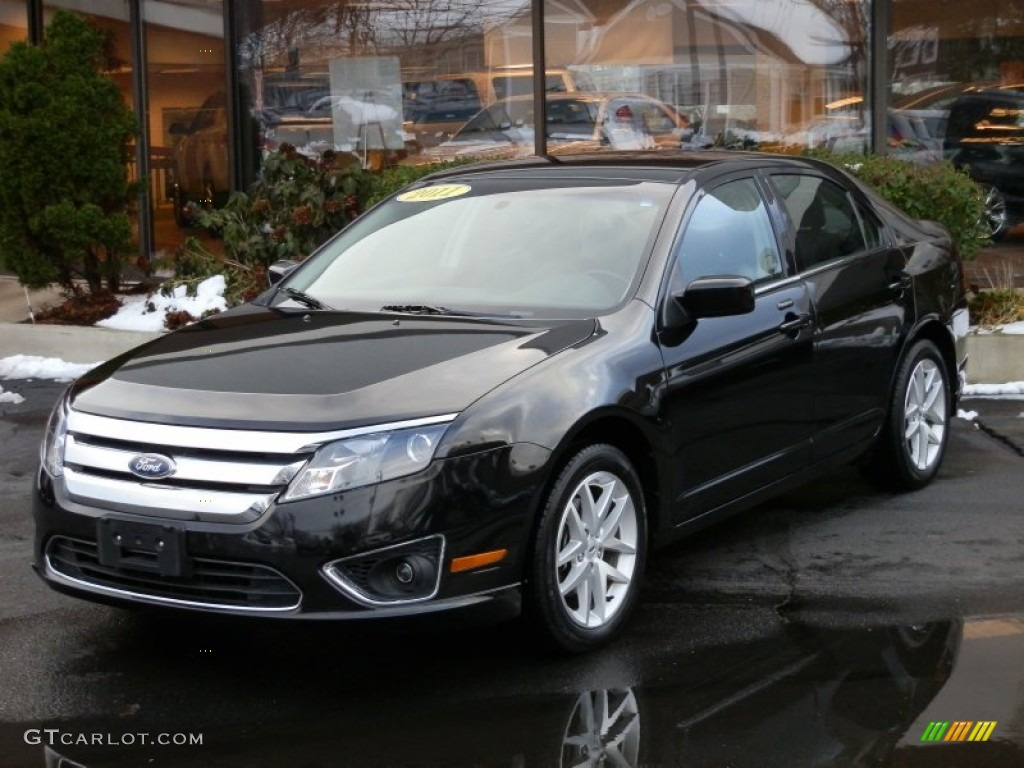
488, 246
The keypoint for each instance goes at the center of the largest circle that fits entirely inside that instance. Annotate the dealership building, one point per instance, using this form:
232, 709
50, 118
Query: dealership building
217, 84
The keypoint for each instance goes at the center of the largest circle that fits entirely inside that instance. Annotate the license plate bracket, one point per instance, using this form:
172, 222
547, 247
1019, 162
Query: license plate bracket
149, 547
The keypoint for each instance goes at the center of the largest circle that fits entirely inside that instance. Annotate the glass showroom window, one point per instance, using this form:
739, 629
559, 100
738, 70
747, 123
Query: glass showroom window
743, 74
380, 84
187, 117
13, 23
957, 92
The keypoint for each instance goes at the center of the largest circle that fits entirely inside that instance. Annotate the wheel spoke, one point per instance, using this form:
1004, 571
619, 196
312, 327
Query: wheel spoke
587, 514
569, 552
612, 574
583, 598
598, 592
618, 545
921, 459
603, 505
572, 529
919, 386
577, 574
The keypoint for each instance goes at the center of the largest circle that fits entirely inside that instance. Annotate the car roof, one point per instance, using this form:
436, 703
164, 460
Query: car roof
663, 165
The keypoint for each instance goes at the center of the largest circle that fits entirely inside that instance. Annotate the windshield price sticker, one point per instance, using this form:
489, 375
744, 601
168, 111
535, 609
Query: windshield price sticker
430, 194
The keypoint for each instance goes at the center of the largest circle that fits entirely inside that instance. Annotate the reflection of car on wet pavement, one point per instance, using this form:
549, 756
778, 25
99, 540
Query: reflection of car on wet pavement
511, 381
807, 696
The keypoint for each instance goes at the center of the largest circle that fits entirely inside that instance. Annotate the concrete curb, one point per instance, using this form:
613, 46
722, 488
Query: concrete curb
71, 343
995, 358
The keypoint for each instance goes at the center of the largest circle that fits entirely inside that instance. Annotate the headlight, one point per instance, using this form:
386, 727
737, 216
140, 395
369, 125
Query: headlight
51, 452
364, 460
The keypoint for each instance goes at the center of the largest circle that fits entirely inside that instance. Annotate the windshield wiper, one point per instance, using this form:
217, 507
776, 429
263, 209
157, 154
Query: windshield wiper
302, 298
436, 309
422, 309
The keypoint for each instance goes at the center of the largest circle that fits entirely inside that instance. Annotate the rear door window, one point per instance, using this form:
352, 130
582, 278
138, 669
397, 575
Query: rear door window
827, 227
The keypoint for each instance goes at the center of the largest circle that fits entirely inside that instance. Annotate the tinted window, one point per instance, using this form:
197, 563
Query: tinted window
729, 234
826, 225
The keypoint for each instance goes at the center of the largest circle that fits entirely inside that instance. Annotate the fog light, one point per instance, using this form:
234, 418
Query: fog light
404, 573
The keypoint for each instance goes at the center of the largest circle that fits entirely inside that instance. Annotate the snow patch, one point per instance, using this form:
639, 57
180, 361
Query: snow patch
989, 390
10, 397
1010, 329
968, 415
146, 313
35, 367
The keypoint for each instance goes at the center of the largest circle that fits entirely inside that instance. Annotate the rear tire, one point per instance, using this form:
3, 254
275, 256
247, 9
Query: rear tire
588, 556
914, 438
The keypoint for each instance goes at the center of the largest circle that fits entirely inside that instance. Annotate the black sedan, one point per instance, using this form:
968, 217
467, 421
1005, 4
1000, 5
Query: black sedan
511, 381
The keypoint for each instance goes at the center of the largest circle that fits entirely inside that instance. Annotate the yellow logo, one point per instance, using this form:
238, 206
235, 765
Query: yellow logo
959, 730
430, 194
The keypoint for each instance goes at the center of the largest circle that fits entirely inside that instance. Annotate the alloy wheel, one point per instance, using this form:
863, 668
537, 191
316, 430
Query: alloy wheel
994, 221
924, 414
596, 553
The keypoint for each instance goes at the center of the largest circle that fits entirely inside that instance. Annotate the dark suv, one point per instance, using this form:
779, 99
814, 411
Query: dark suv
985, 138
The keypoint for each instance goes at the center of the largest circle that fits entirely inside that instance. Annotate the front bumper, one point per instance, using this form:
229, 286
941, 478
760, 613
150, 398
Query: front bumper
276, 565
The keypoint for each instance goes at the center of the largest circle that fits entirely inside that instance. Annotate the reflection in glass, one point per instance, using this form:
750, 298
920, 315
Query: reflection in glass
747, 74
187, 119
13, 23
957, 91
379, 83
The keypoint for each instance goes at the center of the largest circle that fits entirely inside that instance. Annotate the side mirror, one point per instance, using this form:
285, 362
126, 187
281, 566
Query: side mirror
277, 271
718, 296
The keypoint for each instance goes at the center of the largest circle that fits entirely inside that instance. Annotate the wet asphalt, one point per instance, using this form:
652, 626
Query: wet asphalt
836, 626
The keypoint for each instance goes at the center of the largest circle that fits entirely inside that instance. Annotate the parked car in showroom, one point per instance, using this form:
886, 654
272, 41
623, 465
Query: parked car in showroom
574, 122
511, 381
985, 137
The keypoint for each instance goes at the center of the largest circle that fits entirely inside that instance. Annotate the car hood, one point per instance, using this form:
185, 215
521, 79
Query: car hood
260, 368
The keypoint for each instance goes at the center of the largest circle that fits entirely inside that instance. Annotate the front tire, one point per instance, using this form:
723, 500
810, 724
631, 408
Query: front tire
589, 552
916, 432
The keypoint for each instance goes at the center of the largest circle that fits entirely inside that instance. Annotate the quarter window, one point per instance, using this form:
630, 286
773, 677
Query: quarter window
729, 233
872, 228
826, 224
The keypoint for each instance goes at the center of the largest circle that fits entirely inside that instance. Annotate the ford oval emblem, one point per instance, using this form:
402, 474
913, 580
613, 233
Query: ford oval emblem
152, 466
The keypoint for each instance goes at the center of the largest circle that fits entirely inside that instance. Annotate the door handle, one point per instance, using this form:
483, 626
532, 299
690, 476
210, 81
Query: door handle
795, 323
901, 282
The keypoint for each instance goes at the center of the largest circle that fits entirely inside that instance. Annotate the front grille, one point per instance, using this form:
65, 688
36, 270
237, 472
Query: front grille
213, 583
217, 475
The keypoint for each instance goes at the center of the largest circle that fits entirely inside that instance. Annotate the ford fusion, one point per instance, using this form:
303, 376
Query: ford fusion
511, 382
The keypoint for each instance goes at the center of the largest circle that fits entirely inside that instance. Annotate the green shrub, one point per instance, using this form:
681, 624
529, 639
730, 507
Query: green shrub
297, 204
65, 145
936, 191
